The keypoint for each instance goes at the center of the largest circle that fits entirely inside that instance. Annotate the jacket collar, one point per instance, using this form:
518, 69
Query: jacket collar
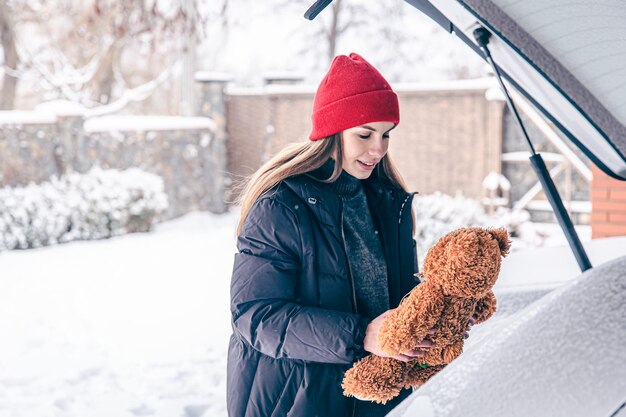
324, 201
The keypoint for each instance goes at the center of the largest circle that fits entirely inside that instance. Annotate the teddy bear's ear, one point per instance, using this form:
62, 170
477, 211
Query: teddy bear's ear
502, 236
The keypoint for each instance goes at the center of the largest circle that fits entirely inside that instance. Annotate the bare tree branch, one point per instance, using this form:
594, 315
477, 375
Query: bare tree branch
136, 94
10, 58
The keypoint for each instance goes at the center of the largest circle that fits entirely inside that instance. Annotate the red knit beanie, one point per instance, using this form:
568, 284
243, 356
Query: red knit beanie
352, 93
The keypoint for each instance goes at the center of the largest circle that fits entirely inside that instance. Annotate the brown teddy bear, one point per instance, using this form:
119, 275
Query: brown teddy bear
459, 272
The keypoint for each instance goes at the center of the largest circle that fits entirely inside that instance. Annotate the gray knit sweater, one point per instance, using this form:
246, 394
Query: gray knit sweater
365, 253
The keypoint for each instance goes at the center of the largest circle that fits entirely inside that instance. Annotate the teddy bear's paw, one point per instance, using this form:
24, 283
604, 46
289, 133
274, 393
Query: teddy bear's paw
380, 397
451, 352
374, 378
432, 357
379, 391
485, 307
420, 374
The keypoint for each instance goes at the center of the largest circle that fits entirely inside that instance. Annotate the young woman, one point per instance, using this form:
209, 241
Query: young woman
325, 250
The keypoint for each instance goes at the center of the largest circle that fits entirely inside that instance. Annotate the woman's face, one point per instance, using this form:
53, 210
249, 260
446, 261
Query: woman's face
363, 147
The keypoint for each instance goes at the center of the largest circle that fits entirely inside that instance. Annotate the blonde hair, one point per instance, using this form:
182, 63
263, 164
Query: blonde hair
300, 158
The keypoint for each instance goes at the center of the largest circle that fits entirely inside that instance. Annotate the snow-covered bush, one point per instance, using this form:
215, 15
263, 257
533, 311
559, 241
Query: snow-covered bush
437, 214
95, 205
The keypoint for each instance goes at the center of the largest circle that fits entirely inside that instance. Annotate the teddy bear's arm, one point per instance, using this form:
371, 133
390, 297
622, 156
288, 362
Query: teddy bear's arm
485, 307
375, 378
408, 325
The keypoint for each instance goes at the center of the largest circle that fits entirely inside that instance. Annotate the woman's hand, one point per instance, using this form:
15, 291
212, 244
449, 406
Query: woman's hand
370, 343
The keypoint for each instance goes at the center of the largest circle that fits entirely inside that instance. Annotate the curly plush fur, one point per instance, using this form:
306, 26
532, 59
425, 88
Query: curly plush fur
459, 272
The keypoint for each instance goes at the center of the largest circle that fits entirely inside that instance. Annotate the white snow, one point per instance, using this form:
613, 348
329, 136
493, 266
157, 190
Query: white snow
272, 89
494, 94
554, 265
79, 206
283, 75
146, 123
131, 326
61, 108
447, 85
213, 76
138, 325
19, 117
425, 86
494, 180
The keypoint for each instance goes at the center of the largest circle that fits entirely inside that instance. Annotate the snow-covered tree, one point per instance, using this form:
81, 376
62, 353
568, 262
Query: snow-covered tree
96, 205
438, 214
101, 51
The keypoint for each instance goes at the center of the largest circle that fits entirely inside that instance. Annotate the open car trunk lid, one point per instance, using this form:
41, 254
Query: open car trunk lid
567, 58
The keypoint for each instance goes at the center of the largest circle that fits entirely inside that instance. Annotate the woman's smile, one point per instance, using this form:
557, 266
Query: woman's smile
367, 165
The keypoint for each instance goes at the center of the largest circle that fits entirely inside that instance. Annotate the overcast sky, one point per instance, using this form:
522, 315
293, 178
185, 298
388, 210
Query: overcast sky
265, 37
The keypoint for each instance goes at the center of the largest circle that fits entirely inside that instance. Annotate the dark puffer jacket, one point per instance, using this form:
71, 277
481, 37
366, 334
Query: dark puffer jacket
296, 329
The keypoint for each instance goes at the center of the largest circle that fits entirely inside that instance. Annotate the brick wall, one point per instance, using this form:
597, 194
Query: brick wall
608, 205
260, 123
448, 140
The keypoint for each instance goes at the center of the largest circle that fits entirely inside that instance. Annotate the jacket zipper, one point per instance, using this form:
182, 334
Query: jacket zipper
352, 289
343, 240
402, 207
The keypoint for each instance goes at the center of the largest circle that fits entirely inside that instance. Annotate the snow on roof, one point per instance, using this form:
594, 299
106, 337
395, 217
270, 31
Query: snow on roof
494, 94
146, 123
272, 89
282, 75
522, 156
493, 181
19, 117
212, 76
477, 84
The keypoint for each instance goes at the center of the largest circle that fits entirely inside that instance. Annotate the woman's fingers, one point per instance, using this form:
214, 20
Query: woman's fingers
403, 358
415, 353
425, 344
409, 355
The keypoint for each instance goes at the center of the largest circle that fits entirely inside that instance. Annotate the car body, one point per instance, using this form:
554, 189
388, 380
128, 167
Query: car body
555, 347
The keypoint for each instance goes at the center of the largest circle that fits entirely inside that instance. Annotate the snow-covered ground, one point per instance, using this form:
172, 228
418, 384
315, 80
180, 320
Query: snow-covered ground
138, 325
132, 326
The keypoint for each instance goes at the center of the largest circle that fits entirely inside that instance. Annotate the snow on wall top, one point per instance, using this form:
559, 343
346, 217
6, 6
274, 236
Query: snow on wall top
208, 76
449, 85
282, 75
146, 123
61, 108
18, 117
562, 355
